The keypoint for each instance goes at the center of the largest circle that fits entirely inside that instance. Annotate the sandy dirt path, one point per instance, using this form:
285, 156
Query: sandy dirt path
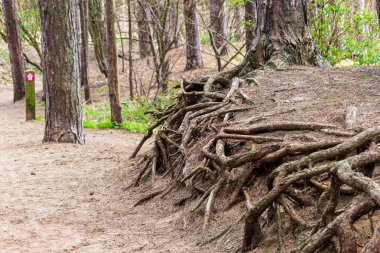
69, 198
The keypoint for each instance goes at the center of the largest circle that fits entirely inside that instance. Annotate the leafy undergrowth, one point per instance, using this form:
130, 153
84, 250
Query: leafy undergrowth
134, 113
135, 118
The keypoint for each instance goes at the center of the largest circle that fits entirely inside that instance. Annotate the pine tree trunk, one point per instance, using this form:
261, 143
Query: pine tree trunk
143, 31
218, 24
282, 38
83, 5
15, 49
60, 44
113, 81
97, 32
193, 42
250, 19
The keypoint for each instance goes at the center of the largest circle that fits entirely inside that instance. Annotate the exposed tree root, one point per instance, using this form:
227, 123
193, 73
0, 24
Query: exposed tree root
208, 145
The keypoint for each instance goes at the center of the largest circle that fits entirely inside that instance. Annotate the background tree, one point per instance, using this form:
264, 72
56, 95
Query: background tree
378, 10
174, 24
218, 25
130, 47
193, 42
61, 64
142, 18
15, 49
83, 5
238, 18
113, 80
282, 37
97, 32
250, 22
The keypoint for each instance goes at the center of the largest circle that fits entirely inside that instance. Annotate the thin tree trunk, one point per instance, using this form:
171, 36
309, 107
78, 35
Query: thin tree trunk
193, 42
97, 32
83, 5
378, 10
360, 4
174, 38
218, 25
250, 19
238, 20
60, 45
143, 31
113, 81
130, 45
15, 49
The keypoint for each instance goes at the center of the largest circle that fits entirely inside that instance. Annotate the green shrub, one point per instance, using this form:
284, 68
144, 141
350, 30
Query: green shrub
341, 33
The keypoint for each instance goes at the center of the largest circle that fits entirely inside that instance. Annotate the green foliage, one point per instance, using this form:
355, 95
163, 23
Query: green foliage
40, 118
205, 39
133, 112
341, 33
366, 77
5, 55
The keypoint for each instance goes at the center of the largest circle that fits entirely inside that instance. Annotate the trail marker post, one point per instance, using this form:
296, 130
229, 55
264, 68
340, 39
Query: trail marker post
30, 94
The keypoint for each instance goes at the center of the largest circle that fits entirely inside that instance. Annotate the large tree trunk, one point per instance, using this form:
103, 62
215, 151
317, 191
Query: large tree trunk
218, 25
97, 32
113, 81
282, 37
60, 44
250, 19
142, 18
83, 5
193, 42
15, 49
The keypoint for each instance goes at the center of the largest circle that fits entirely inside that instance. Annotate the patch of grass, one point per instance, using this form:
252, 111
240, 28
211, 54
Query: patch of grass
366, 77
252, 84
328, 97
5, 55
42, 103
291, 85
133, 112
40, 118
205, 39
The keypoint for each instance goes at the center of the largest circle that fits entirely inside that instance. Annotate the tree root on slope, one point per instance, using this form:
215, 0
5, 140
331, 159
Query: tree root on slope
204, 145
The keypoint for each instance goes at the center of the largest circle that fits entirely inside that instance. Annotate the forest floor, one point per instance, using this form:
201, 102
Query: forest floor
70, 198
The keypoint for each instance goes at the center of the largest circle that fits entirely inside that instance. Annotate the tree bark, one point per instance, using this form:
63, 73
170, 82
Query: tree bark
60, 45
193, 42
130, 46
143, 31
218, 25
15, 49
238, 20
113, 81
83, 5
174, 24
97, 32
250, 19
378, 10
282, 37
